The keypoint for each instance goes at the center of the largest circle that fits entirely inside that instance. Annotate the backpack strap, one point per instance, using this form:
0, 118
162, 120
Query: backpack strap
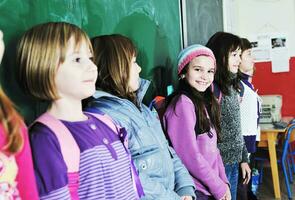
67, 143
216, 91
107, 120
111, 124
158, 102
158, 105
68, 147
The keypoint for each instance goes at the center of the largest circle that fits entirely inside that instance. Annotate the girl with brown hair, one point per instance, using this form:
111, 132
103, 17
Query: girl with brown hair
85, 157
119, 94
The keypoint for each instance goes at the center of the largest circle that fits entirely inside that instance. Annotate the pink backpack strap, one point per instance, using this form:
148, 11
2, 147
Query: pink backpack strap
112, 125
67, 143
69, 149
107, 120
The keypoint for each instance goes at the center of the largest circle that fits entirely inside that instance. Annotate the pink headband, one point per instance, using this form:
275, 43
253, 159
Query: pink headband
189, 53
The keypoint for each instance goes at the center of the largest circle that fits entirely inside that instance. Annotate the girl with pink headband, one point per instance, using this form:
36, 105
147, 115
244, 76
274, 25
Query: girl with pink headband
192, 122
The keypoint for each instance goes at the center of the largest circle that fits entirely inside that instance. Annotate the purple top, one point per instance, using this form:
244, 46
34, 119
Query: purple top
199, 154
105, 171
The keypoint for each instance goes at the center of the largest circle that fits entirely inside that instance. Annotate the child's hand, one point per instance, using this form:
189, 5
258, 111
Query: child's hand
186, 198
1, 46
246, 172
227, 195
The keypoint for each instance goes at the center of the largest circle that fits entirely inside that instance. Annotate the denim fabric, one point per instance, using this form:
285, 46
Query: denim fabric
232, 173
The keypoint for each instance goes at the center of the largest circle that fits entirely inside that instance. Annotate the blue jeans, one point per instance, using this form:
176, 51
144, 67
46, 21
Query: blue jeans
232, 173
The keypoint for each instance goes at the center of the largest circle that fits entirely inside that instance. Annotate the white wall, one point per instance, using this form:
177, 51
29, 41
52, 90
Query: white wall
248, 17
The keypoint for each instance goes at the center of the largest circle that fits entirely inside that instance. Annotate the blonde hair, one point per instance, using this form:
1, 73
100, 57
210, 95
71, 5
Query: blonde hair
40, 51
12, 123
113, 56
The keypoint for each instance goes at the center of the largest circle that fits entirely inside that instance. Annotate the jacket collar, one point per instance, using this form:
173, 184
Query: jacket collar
144, 84
244, 76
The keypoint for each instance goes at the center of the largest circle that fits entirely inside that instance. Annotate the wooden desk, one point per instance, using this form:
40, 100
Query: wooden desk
268, 139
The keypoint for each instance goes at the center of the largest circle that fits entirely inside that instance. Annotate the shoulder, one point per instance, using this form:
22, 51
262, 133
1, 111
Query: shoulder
180, 104
107, 104
183, 101
41, 135
45, 146
121, 115
40, 130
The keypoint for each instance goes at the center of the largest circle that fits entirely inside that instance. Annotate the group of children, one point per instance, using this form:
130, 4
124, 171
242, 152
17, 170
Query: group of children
114, 147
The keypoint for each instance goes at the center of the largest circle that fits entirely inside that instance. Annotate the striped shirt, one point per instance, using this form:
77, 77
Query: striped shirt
105, 171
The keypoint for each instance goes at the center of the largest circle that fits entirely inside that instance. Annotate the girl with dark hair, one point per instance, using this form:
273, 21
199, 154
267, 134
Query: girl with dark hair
227, 50
192, 122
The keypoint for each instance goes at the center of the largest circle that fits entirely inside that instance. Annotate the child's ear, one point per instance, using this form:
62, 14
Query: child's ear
182, 76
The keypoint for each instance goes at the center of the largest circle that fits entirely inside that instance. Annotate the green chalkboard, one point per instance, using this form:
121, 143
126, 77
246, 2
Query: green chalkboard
152, 24
203, 19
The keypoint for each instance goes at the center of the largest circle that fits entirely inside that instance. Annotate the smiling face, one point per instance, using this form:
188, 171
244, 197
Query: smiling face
76, 76
200, 73
234, 60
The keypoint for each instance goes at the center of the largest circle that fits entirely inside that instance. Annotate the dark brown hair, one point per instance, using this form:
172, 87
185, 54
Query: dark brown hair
113, 56
222, 43
245, 44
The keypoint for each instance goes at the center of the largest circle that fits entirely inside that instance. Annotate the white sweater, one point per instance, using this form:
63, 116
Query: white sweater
249, 112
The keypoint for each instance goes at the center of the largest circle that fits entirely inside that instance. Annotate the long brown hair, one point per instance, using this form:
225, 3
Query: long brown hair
12, 123
222, 43
113, 56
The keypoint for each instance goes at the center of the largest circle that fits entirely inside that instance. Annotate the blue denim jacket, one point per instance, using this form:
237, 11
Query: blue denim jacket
161, 172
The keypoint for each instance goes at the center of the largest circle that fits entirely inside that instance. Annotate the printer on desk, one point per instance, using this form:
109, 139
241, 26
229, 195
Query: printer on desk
271, 108
271, 111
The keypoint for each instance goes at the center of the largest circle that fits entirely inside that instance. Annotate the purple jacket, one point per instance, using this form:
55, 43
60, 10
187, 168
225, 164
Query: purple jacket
199, 154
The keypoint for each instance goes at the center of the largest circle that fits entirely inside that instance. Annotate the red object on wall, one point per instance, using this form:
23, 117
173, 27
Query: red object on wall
277, 83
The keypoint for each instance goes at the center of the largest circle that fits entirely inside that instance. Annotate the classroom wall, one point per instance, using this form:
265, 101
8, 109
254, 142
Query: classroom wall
277, 83
267, 16
153, 25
